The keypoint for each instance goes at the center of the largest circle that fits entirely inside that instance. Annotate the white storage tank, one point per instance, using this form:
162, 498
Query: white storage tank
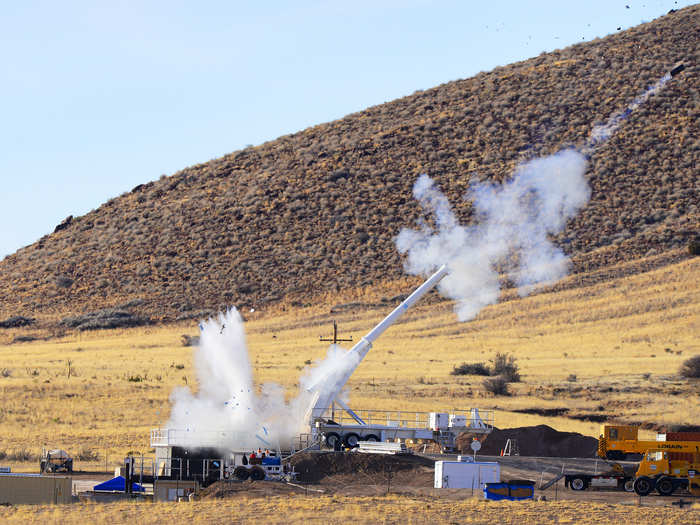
466, 474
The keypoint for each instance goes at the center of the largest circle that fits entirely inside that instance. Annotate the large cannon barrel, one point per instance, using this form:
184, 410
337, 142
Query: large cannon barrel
329, 386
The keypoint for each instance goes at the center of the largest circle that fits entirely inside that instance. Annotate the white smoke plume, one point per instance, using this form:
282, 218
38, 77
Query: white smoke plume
515, 221
228, 411
603, 132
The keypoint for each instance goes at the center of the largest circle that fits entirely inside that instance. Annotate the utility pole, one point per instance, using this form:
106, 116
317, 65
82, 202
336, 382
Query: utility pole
335, 339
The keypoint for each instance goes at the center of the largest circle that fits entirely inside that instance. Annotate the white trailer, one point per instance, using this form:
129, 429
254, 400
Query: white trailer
335, 426
341, 429
466, 474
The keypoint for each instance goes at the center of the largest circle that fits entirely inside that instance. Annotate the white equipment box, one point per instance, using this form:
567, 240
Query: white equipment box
466, 475
438, 421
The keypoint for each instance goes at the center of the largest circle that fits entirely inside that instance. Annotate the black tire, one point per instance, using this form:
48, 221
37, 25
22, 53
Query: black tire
578, 484
665, 486
241, 473
628, 485
372, 437
643, 485
332, 440
351, 440
615, 455
257, 474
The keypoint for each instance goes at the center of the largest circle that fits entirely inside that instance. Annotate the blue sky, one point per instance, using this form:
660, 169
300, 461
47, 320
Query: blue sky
97, 97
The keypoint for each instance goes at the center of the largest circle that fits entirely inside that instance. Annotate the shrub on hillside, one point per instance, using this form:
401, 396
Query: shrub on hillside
471, 369
504, 365
694, 247
691, 367
16, 321
498, 386
85, 454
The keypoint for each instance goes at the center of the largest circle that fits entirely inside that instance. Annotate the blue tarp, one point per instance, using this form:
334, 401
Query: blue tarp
118, 484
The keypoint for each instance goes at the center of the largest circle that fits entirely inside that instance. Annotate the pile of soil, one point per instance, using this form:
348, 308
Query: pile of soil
540, 441
229, 488
314, 467
347, 473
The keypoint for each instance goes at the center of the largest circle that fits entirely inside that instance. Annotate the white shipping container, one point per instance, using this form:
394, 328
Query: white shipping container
466, 475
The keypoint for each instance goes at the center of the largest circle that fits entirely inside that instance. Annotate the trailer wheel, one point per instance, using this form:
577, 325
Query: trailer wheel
257, 474
643, 485
578, 484
332, 440
241, 473
351, 440
371, 437
665, 486
628, 485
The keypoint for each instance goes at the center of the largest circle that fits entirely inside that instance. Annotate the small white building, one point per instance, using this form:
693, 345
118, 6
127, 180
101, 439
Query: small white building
466, 474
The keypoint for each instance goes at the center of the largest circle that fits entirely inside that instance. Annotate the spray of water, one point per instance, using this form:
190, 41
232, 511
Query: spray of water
228, 411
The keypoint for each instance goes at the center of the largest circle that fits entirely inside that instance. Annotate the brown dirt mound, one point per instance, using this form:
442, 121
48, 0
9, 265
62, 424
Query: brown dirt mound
541, 441
228, 488
338, 473
313, 467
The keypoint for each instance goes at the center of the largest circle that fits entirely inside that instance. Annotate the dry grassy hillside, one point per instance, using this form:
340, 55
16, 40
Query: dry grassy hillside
316, 212
607, 352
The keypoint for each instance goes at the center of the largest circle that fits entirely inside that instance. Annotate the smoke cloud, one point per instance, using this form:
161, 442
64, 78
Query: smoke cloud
229, 412
514, 223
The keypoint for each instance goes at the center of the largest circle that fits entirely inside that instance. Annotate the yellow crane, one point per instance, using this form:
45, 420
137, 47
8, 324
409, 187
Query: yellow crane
621, 442
665, 466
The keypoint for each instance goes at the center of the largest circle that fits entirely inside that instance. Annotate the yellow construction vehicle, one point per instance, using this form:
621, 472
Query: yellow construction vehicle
658, 470
694, 485
621, 442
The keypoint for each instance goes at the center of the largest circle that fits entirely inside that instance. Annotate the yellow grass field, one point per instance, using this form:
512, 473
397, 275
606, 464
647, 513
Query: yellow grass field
624, 340
339, 509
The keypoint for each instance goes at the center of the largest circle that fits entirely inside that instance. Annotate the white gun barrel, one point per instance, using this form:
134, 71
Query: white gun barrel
330, 386
405, 305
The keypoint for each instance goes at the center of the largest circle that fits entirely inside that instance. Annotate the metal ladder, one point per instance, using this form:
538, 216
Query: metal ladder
511, 448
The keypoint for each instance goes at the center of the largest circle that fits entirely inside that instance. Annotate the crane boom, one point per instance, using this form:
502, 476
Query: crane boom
328, 387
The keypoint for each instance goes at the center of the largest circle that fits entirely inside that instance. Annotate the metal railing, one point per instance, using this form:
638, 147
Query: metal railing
473, 418
165, 437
